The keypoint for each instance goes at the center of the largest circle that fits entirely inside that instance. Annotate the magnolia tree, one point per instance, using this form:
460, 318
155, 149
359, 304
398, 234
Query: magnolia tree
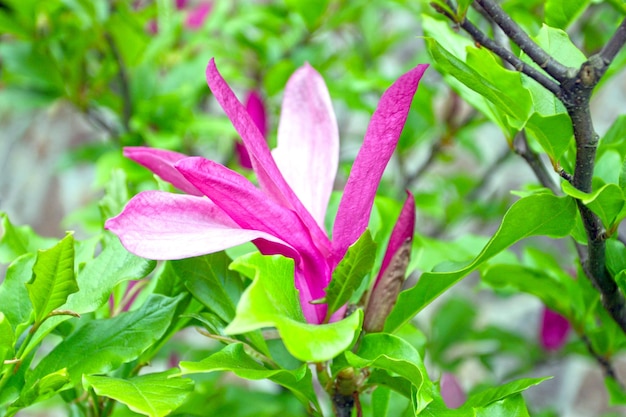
252, 270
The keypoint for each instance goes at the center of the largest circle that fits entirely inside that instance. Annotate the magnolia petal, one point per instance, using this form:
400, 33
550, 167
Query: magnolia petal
380, 141
554, 330
160, 225
402, 231
451, 391
256, 109
248, 206
266, 170
308, 141
161, 162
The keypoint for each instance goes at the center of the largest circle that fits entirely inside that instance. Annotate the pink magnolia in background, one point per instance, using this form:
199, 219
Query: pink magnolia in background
285, 213
451, 391
256, 110
554, 330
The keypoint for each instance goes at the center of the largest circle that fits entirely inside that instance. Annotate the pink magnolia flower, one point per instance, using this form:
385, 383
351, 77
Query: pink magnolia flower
196, 16
256, 110
451, 391
285, 214
554, 330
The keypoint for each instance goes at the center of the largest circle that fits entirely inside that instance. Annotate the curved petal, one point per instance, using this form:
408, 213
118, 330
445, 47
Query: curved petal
248, 206
380, 141
270, 178
308, 141
161, 162
160, 225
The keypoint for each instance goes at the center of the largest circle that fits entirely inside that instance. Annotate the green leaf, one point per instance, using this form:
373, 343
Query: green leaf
7, 338
102, 345
211, 282
154, 395
16, 241
350, 272
491, 395
513, 406
607, 202
538, 214
234, 358
310, 10
53, 278
14, 300
272, 301
44, 388
393, 354
561, 13
478, 69
554, 133
617, 396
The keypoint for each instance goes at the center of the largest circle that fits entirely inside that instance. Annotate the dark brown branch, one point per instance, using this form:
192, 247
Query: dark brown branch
554, 68
522, 148
613, 46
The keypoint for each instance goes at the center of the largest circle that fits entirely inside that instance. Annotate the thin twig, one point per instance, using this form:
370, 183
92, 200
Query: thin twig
614, 44
554, 68
127, 104
522, 148
509, 57
605, 363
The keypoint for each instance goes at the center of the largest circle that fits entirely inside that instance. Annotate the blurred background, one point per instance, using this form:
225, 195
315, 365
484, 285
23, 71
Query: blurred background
81, 79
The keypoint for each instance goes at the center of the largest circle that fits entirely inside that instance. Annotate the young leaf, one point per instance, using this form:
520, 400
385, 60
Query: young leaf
154, 395
14, 301
490, 395
607, 202
537, 214
389, 352
350, 272
53, 278
272, 301
44, 388
102, 345
7, 338
16, 241
235, 359
554, 133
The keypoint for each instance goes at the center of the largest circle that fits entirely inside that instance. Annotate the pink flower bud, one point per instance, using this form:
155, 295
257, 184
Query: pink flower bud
554, 330
181, 4
451, 391
197, 15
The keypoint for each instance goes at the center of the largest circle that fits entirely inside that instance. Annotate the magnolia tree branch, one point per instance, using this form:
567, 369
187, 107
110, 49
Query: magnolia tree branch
573, 87
550, 65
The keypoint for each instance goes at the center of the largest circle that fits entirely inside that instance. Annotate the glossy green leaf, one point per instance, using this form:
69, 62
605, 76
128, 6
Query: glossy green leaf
272, 301
154, 395
16, 241
483, 74
554, 133
393, 354
561, 13
44, 388
14, 300
537, 214
234, 358
617, 396
53, 278
211, 282
350, 272
102, 345
608, 202
490, 395
7, 338
513, 406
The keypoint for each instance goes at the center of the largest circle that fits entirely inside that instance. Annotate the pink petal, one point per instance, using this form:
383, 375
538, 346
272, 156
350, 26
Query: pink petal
268, 175
256, 109
554, 330
160, 225
402, 232
181, 4
161, 162
248, 206
197, 16
308, 141
380, 141
451, 391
